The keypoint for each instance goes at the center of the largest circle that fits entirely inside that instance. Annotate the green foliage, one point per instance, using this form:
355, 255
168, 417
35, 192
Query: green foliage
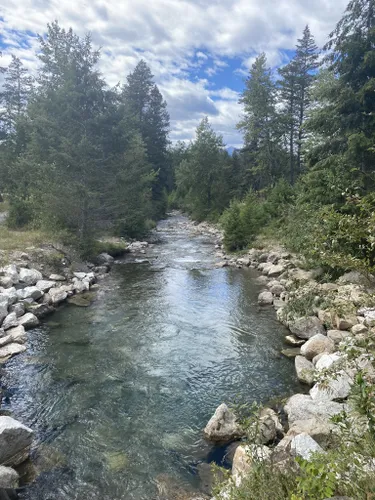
315, 481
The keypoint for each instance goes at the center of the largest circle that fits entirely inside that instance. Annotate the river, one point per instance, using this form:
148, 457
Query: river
118, 392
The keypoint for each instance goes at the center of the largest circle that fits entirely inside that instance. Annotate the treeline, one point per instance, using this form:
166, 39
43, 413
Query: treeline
77, 156
305, 174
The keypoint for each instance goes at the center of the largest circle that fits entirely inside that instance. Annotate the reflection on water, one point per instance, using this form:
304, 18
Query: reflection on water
121, 390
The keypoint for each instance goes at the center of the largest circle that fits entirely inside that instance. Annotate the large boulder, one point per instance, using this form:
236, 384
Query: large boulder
327, 360
223, 426
10, 272
29, 276
305, 370
15, 441
6, 281
28, 320
265, 298
18, 308
303, 407
336, 388
244, 459
8, 478
306, 327
10, 321
265, 429
45, 285
11, 349
30, 291
320, 430
275, 270
57, 295
17, 334
10, 294
304, 446
317, 345
105, 258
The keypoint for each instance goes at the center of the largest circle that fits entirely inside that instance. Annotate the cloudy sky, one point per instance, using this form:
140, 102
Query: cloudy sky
199, 50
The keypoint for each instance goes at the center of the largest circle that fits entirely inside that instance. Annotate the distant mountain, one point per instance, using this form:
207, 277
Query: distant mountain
231, 150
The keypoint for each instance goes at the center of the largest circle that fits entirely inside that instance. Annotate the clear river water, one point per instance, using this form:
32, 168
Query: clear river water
118, 392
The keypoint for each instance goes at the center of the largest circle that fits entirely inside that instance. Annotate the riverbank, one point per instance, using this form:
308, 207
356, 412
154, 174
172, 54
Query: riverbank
331, 337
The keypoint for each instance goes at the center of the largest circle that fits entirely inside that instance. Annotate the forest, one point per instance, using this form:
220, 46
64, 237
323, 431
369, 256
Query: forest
80, 158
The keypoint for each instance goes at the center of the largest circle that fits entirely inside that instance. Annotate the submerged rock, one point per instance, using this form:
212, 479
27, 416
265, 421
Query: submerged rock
8, 477
223, 426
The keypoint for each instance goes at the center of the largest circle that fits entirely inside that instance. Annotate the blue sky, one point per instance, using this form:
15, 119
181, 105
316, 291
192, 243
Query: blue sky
199, 50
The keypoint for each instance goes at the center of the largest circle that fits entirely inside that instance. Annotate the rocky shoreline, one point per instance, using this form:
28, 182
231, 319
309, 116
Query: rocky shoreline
329, 323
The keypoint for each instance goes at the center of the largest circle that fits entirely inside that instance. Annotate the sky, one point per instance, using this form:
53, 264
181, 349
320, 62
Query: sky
200, 51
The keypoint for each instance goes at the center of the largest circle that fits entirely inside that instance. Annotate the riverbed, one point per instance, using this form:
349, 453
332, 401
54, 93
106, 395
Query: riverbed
118, 392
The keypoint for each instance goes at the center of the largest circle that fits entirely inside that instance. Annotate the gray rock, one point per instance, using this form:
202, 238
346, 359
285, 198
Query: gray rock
80, 276
3, 308
327, 360
358, 329
277, 290
294, 341
275, 270
29, 276
8, 477
291, 352
222, 427
265, 298
306, 327
10, 295
6, 281
17, 308
11, 272
28, 320
29, 291
317, 345
305, 370
304, 446
320, 430
337, 335
45, 285
15, 441
10, 321
105, 258
17, 334
40, 310
80, 286
244, 458
303, 407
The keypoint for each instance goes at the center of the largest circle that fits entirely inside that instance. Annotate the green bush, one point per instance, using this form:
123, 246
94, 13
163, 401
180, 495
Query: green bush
20, 213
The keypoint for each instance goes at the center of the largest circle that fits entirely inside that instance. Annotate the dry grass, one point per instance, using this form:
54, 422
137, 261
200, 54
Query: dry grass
11, 240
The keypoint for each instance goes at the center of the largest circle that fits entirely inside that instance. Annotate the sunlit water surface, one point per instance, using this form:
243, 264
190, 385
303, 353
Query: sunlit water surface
119, 392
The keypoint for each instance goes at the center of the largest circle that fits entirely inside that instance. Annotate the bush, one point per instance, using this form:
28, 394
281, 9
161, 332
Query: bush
20, 213
234, 230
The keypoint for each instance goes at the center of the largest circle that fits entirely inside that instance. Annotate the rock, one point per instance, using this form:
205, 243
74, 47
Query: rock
275, 270
357, 278
244, 458
45, 285
264, 431
8, 477
105, 258
244, 261
337, 335
305, 370
307, 327
3, 308
294, 341
10, 295
40, 310
57, 295
320, 430
327, 317
316, 345
303, 407
222, 264
263, 257
17, 308
265, 267
28, 320
304, 446
265, 298
10, 272
6, 281
80, 286
17, 334
29, 276
333, 389
277, 290
345, 322
327, 360
15, 441
57, 277
358, 329
291, 352
222, 427
10, 321
30, 291
80, 300
80, 276
11, 349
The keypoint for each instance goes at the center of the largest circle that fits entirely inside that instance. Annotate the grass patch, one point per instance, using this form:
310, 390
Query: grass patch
11, 240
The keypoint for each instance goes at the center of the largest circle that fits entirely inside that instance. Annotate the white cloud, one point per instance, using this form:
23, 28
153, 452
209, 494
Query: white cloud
176, 38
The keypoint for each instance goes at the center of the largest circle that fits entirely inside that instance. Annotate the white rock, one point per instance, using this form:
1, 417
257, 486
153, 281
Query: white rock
317, 345
6, 281
10, 321
11, 350
265, 298
320, 430
222, 427
29, 276
11, 272
15, 441
304, 446
303, 407
18, 308
17, 334
8, 477
327, 360
337, 335
30, 291
57, 277
3, 308
305, 370
11, 295
358, 329
57, 295
275, 270
105, 258
245, 457
28, 320
45, 285
332, 389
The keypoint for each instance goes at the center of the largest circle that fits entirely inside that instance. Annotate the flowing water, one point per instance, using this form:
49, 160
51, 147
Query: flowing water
119, 392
